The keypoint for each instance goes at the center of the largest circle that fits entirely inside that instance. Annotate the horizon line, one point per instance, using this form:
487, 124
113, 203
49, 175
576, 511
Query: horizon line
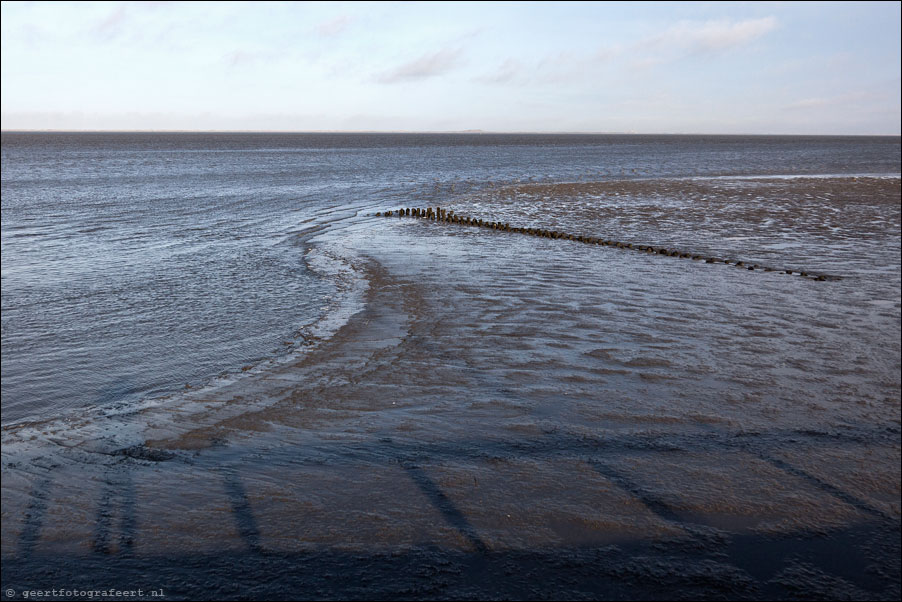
432, 132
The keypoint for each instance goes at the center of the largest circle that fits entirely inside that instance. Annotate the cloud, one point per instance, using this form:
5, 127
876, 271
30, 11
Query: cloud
680, 40
558, 68
334, 27
509, 70
122, 19
807, 103
426, 66
697, 38
112, 25
711, 36
856, 99
236, 58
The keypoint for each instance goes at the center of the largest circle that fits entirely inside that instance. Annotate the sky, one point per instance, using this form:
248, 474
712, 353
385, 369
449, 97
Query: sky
672, 67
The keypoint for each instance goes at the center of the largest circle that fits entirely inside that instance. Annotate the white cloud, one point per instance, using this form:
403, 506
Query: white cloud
807, 103
334, 26
684, 38
113, 24
509, 70
426, 66
860, 98
711, 36
237, 58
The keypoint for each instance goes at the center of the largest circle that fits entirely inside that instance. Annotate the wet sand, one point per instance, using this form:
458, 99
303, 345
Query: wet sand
513, 417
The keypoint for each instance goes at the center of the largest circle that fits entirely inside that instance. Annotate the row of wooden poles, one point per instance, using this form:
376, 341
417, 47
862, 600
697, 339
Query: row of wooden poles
449, 217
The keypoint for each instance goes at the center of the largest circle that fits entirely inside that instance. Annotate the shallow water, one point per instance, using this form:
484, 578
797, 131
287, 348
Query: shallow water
488, 413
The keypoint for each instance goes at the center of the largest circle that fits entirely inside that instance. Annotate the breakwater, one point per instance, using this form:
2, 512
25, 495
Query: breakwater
438, 214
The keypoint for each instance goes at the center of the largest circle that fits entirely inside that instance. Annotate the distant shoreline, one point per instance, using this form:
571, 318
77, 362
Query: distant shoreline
448, 133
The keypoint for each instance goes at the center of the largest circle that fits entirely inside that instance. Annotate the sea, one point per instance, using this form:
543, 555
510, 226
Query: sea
463, 366
135, 265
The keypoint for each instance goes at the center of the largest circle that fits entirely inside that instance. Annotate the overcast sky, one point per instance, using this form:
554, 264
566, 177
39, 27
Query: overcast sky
708, 67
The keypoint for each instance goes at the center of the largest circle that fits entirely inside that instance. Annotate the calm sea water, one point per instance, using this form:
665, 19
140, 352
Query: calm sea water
134, 265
